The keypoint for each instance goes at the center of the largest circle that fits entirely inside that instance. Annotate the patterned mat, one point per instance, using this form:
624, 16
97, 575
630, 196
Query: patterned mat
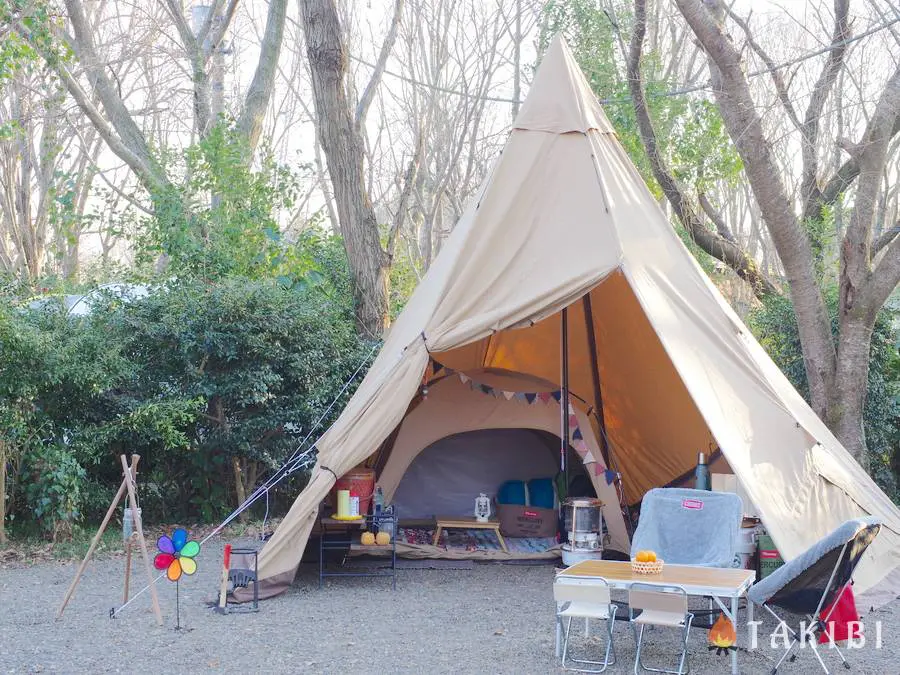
476, 540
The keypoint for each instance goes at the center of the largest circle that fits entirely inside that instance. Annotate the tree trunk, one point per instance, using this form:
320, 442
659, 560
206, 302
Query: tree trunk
260, 91
343, 150
724, 248
744, 124
847, 401
239, 488
2, 492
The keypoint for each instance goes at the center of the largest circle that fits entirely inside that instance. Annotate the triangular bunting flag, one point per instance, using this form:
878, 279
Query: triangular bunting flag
437, 367
509, 395
544, 396
589, 458
464, 378
522, 396
610, 476
486, 389
556, 395
577, 435
530, 398
573, 422
449, 371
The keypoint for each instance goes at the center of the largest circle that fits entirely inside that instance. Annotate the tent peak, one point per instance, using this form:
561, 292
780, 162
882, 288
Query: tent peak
560, 100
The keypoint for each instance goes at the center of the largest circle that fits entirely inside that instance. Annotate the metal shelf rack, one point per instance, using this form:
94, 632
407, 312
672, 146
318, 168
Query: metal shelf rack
344, 536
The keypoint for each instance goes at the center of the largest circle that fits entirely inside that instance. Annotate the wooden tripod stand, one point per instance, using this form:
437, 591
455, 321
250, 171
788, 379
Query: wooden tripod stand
128, 485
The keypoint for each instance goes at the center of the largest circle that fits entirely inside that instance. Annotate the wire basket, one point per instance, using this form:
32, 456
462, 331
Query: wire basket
647, 567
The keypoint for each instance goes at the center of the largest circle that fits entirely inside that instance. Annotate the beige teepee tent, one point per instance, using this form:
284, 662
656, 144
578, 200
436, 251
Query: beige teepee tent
564, 221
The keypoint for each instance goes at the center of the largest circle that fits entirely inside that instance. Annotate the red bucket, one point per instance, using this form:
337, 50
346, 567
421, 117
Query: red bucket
361, 482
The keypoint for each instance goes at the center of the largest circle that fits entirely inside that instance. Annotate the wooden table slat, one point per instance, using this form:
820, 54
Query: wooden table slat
465, 522
679, 575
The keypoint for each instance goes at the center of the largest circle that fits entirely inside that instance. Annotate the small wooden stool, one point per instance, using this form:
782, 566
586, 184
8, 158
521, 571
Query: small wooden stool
467, 523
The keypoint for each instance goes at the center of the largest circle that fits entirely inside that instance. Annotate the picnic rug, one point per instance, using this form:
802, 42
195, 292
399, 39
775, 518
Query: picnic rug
472, 544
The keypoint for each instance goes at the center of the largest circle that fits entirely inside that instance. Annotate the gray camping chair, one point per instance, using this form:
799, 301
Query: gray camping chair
814, 579
689, 527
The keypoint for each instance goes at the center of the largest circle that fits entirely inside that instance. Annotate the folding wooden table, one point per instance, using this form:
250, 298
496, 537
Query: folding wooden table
715, 582
466, 523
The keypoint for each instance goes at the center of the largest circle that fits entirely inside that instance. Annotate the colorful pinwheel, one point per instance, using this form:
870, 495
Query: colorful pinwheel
176, 554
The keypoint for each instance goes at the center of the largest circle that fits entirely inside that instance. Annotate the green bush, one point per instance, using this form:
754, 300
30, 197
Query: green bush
214, 384
52, 488
775, 326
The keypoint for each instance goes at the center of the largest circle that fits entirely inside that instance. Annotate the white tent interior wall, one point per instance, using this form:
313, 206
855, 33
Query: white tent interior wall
452, 408
655, 353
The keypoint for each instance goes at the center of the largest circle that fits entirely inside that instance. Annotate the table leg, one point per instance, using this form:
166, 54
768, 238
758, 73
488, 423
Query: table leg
501, 540
734, 613
437, 535
558, 635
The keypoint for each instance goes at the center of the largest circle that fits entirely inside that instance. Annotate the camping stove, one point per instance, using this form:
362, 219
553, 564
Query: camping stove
583, 520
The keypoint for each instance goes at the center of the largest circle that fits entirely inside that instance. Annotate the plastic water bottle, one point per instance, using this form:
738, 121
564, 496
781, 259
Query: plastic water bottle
701, 474
378, 502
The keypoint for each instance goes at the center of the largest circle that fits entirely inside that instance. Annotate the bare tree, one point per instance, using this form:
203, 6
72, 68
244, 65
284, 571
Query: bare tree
836, 366
339, 135
719, 243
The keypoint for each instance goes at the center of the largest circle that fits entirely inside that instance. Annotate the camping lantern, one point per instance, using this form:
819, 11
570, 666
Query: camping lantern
482, 508
583, 519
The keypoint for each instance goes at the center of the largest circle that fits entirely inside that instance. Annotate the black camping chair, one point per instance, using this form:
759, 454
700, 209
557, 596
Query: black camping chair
815, 579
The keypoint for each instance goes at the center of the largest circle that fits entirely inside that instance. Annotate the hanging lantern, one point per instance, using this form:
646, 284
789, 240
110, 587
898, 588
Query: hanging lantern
482, 508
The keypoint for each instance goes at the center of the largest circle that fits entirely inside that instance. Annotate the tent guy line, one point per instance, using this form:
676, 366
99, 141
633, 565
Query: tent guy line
291, 465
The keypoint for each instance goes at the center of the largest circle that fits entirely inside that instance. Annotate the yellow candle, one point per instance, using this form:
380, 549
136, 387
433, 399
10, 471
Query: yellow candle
343, 505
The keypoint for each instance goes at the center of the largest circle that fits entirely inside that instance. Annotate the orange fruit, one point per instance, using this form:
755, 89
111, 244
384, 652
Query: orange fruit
651, 556
642, 556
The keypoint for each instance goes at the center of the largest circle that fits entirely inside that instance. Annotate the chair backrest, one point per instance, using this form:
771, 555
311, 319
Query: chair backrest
654, 597
689, 527
816, 576
569, 589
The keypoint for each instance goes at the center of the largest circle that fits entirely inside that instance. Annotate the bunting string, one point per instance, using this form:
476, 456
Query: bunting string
576, 437
575, 434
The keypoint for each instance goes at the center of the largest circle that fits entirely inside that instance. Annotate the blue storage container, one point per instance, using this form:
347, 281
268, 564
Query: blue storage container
513, 492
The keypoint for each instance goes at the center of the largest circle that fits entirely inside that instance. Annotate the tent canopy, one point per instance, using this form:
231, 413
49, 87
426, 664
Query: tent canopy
656, 354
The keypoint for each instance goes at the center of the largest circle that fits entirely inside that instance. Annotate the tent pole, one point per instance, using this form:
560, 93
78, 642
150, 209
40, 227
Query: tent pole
595, 371
598, 401
564, 397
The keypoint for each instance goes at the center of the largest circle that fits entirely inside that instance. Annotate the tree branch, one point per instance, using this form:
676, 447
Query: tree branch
780, 86
194, 50
809, 186
409, 180
838, 184
885, 277
886, 238
127, 142
714, 244
260, 91
744, 124
365, 101
856, 249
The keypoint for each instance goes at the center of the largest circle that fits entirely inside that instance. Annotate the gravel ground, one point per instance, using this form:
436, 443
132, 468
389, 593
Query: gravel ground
490, 619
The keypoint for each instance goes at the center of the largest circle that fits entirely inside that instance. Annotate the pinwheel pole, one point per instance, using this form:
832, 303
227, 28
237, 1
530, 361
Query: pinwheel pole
176, 556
